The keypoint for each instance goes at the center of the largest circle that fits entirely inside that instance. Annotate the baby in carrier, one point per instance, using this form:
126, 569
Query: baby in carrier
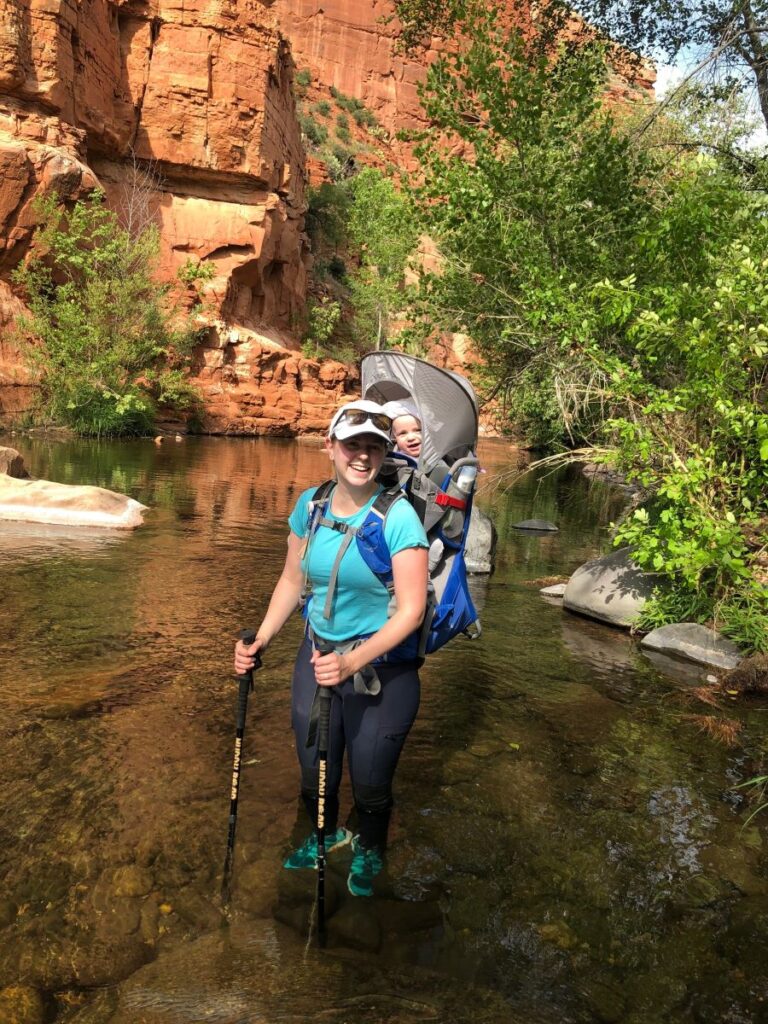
406, 427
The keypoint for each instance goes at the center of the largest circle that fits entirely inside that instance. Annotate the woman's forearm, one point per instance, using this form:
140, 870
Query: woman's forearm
284, 601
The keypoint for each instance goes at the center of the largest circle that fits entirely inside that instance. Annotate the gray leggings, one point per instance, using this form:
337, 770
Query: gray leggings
372, 730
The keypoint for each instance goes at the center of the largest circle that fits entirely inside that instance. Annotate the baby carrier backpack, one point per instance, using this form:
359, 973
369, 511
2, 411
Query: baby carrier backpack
440, 487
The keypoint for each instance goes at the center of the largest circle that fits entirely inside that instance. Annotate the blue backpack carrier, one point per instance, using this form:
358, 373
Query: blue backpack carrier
443, 502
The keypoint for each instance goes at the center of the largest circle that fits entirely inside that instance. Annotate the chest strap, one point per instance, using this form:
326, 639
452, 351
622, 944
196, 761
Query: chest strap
349, 535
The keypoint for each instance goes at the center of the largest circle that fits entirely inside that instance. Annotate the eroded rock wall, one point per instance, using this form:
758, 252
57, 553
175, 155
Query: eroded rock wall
183, 112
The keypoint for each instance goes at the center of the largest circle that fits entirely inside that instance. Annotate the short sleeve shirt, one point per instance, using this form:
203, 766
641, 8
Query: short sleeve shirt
360, 601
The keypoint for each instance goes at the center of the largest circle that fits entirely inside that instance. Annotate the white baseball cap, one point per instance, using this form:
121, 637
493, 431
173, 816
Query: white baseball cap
361, 417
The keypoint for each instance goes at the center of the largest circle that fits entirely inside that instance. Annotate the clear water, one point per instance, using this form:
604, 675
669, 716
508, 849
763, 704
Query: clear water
568, 844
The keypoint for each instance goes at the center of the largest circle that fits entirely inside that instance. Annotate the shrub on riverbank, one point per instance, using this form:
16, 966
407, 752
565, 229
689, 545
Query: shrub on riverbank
107, 346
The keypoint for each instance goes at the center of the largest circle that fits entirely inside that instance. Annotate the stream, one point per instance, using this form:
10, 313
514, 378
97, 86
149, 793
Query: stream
568, 845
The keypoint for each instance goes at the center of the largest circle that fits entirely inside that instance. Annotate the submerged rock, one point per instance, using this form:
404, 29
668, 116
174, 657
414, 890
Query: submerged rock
693, 642
612, 589
21, 1004
557, 590
41, 501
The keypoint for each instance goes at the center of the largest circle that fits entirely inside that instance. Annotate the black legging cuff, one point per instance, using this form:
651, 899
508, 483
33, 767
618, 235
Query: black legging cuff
372, 829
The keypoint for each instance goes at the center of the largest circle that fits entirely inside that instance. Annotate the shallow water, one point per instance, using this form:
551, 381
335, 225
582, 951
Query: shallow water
567, 846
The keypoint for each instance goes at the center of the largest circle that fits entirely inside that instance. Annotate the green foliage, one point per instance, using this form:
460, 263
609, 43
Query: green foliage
616, 288
323, 108
108, 349
193, 271
315, 133
342, 121
328, 208
303, 77
342, 134
349, 103
383, 227
324, 317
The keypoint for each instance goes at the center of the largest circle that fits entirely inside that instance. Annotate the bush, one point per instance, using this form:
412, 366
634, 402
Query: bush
315, 133
342, 134
110, 347
342, 121
303, 77
323, 108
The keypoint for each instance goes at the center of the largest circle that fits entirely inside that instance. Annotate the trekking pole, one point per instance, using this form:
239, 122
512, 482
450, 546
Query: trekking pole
323, 728
246, 685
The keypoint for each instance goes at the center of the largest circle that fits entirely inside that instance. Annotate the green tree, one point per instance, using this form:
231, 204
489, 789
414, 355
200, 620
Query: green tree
383, 229
614, 284
107, 345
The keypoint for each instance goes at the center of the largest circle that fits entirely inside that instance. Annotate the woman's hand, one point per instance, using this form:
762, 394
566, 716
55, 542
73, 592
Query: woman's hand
244, 655
330, 669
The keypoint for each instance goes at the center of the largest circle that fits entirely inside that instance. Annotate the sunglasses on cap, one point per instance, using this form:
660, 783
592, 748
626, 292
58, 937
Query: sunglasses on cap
359, 416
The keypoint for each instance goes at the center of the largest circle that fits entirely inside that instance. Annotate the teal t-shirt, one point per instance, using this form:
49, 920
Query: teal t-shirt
360, 601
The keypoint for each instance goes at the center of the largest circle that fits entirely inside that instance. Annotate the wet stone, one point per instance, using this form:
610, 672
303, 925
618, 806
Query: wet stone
132, 880
256, 885
356, 926
197, 911
8, 912
605, 999
536, 525
21, 1004
120, 919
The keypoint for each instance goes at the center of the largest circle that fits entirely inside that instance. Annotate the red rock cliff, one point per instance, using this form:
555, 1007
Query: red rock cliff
201, 93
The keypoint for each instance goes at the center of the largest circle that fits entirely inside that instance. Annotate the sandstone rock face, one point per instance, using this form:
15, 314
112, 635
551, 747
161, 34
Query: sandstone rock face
197, 94
255, 386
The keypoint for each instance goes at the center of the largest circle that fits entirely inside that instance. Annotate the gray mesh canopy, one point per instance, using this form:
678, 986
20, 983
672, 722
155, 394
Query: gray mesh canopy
445, 400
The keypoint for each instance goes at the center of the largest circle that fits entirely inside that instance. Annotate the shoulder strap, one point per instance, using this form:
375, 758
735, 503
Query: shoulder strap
316, 509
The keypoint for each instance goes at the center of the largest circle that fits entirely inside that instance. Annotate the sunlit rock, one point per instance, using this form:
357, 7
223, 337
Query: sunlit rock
42, 501
611, 589
693, 642
12, 464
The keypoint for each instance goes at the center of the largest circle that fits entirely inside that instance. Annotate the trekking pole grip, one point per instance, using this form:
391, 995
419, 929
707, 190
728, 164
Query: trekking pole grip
247, 636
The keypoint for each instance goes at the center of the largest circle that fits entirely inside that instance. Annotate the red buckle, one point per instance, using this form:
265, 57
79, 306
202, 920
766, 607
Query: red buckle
441, 498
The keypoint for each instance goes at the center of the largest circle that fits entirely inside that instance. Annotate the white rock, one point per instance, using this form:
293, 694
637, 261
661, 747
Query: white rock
611, 589
693, 642
42, 501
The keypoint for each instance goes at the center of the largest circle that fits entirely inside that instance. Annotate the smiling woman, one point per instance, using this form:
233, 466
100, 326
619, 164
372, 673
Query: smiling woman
355, 629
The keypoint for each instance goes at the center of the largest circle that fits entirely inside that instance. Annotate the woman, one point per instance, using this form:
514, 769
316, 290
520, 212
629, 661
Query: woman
348, 629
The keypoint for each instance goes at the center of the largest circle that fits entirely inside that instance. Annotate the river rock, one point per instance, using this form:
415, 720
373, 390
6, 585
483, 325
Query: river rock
12, 464
611, 589
536, 525
21, 1004
41, 501
557, 590
480, 550
693, 642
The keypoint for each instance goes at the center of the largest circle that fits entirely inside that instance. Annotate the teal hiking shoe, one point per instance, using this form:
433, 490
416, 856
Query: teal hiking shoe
366, 864
306, 855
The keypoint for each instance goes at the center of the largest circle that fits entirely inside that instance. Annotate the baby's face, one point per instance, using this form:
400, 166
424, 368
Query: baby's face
406, 433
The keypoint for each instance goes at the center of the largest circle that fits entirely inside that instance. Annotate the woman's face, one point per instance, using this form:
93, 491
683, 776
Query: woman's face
358, 459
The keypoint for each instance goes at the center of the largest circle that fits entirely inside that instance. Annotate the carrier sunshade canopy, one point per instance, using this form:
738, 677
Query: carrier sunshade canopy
445, 400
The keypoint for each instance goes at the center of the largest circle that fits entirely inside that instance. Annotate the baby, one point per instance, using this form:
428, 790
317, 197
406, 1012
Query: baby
406, 427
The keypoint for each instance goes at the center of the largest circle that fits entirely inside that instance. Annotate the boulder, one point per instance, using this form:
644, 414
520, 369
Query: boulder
557, 590
611, 589
536, 525
41, 501
693, 642
480, 549
12, 464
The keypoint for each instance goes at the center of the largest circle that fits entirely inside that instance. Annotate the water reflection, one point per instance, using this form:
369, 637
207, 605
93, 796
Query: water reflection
566, 845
